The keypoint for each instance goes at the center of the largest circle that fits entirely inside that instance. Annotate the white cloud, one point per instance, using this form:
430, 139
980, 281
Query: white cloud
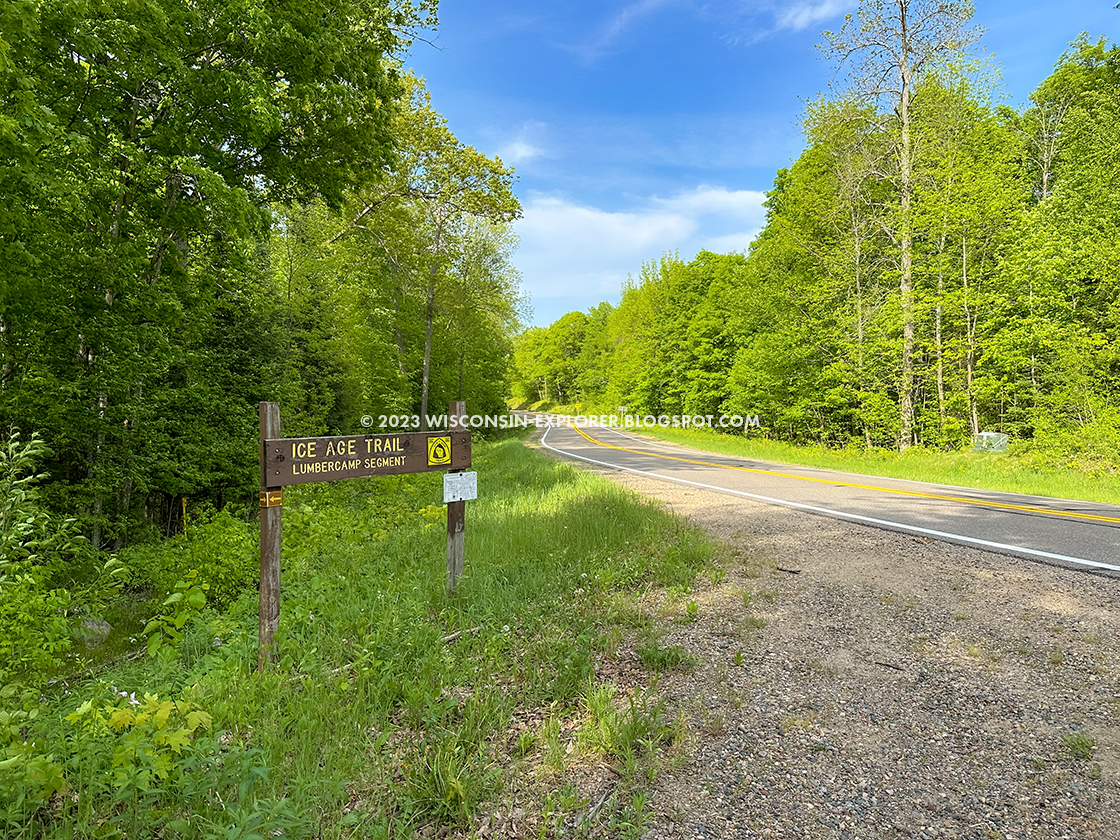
527, 143
605, 36
706, 200
573, 255
518, 151
802, 15
751, 27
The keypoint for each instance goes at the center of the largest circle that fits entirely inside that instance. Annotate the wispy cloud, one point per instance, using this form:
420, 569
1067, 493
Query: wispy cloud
607, 34
755, 22
525, 145
798, 16
573, 254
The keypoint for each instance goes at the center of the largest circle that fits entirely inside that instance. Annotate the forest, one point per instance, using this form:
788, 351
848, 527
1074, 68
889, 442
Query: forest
207, 205
934, 264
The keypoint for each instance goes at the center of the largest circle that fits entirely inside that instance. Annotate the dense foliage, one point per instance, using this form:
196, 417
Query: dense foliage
1007, 320
205, 205
392, 706
208, 204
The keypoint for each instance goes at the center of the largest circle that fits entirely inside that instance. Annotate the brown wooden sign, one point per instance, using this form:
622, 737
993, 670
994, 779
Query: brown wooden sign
287, 461
305, 460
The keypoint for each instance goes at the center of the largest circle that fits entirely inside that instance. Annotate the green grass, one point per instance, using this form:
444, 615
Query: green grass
369, 725
1078, 745
657, 658
550, 406
1026, 473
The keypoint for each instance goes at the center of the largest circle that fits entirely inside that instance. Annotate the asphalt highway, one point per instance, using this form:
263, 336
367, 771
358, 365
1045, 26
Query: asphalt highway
1082, 535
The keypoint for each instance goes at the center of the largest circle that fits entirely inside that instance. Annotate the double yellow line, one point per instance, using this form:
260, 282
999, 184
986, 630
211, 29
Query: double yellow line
982, 503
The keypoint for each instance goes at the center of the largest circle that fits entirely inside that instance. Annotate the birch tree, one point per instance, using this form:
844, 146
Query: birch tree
886, 47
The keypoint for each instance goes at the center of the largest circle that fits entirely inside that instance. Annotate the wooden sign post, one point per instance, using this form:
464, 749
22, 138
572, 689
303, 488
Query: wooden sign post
287, 461
456, 513
272, 498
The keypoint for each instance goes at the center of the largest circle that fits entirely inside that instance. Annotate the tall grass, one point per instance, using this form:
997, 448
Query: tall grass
370, 724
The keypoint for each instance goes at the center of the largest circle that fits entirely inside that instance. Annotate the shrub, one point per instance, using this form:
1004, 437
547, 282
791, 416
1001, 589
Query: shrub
33, 548
218, 552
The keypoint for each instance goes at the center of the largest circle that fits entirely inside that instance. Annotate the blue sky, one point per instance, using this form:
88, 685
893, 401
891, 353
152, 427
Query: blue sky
639, 127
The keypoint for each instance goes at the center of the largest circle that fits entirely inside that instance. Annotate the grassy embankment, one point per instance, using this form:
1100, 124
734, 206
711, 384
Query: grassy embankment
1020, 470
378, 719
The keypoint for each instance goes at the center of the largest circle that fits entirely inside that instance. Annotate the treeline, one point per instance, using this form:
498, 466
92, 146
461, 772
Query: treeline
932, 265
204, 205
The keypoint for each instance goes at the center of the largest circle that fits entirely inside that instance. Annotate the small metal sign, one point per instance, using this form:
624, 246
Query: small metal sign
990, 442
439, 451
460, 487
305, 460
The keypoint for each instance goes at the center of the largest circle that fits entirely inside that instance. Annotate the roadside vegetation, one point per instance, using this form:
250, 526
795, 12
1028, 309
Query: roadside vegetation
392, 706
1021, 470
933, 265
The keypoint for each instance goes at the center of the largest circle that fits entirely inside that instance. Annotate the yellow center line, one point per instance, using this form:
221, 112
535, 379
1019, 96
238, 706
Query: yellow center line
961, 499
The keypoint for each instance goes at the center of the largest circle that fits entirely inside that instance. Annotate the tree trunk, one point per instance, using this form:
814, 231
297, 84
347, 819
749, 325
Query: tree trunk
429, 316
970, 337
429, 320
906, 274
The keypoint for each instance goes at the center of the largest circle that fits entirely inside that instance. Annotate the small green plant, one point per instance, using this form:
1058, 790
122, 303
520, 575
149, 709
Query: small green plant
554, 749
449, 779
150, 767
1057, 656
632, 734
657, 658
738, 659
718, 575
714, 722
526, 743
187, 600
1078, 745
691, 611
28, 775
632, 821
754, 622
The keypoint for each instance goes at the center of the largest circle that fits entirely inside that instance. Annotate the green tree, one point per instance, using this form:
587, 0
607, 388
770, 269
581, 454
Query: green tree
443, 187
889, 45
140, 145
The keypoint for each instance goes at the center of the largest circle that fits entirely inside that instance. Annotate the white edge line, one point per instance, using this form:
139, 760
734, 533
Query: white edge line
842, 515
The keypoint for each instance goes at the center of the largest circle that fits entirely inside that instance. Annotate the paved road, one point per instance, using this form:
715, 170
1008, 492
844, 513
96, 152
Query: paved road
1083, 535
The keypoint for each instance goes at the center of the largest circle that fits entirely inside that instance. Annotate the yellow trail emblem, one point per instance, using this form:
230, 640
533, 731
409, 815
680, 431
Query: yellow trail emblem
439, 451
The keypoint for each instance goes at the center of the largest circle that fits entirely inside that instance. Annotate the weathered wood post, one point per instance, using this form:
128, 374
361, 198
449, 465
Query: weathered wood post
287, 461
456, 511
271, 500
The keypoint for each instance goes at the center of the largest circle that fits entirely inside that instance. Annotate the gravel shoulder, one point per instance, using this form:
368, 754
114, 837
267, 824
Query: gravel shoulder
857, 683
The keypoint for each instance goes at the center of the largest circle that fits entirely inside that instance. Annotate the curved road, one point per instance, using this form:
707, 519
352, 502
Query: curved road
1082, 535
